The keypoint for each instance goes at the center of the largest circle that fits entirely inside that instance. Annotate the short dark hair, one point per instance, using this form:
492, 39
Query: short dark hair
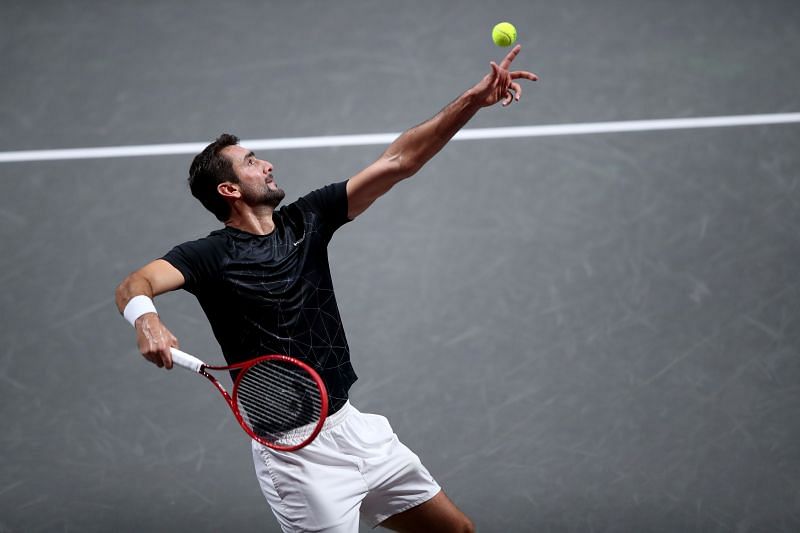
208, 169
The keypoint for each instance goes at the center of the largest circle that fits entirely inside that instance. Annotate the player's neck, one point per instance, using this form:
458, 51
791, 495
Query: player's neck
257, 221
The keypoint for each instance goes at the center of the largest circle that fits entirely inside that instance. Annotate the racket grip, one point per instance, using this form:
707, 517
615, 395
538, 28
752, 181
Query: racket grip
186, 361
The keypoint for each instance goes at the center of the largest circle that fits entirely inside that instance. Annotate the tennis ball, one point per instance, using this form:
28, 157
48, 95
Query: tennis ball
504, 34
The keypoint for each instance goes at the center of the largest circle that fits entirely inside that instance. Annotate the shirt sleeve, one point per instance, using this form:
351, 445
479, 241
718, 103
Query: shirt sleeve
330, 204
199, 261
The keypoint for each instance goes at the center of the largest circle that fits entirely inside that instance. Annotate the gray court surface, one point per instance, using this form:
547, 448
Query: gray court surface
578, 333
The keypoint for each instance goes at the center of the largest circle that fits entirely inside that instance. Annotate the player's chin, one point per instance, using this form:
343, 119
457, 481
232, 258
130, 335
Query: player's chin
274, 197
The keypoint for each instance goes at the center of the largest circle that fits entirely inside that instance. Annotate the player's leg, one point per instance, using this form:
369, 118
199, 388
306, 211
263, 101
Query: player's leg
316, 488
402, 493
308, 497
437, 514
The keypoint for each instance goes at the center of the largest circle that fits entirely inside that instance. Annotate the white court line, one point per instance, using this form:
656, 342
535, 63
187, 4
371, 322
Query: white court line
386, 138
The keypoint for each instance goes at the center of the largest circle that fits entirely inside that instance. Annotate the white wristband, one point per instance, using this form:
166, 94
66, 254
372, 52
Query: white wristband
138, 306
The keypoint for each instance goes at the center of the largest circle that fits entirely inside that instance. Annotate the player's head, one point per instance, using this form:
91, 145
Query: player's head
224, 172
208, 170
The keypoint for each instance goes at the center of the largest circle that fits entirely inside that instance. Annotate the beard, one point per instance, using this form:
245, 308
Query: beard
273, 198
263, 196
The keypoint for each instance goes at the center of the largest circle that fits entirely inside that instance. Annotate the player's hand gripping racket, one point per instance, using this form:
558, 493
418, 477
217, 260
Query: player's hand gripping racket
271, 396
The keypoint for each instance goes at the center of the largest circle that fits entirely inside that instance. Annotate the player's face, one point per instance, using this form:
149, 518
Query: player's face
255, 177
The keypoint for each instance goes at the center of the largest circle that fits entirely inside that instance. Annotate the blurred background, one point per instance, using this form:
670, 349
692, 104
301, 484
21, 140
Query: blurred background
575, 333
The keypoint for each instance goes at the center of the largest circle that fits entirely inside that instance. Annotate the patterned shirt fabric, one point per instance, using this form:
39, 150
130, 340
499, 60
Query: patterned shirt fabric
273, 294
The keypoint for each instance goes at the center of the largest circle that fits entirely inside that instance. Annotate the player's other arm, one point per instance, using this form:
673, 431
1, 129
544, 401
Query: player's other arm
152, 336
416, 146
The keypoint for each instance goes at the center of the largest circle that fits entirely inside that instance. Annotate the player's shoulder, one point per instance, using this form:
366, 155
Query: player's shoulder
296, 207
322, 198
214, 236
323, 203
215, 240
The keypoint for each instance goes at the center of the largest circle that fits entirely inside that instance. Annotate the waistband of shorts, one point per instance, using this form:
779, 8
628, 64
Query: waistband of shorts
299, 434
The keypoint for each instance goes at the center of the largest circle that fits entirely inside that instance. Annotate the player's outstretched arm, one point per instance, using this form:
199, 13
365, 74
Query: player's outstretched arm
152, 336
416, 146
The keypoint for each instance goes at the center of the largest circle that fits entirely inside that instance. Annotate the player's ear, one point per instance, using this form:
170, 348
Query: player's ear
229, 190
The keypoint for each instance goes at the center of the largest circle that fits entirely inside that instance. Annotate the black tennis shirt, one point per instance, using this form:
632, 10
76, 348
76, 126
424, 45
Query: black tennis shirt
266, 294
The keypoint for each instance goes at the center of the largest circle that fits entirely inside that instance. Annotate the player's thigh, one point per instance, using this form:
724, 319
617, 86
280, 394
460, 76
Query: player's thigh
437, 514
320, 493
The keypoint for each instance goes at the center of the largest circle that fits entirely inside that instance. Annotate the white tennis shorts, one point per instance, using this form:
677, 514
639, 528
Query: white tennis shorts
355, 466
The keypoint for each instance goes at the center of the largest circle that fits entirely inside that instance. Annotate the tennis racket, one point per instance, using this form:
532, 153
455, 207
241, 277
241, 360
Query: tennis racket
279, 401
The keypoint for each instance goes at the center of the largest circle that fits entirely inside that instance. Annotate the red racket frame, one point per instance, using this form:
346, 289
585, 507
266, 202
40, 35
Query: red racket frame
231, 398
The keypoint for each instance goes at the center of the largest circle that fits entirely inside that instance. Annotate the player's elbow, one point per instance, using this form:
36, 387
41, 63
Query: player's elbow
129, 287
412, 164
402, 165
467, 526
122, 292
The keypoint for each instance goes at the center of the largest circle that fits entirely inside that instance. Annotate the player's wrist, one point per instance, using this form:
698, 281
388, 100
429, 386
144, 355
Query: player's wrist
471, 99
142, 318
137, 307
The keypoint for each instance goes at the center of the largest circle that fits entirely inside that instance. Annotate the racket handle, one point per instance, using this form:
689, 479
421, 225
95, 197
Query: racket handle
186, 361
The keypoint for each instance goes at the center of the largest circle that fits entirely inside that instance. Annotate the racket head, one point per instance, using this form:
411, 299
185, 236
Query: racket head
280, 401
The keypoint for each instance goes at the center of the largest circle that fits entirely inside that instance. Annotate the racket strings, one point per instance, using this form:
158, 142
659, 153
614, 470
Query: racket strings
278, 409
272, 409
293, 394
276, 396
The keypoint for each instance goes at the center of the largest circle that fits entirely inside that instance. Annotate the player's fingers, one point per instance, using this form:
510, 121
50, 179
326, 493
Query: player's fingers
173, 343
501, 78
154, 358
509, 98
495, 70
510, 57
166, 357
147, 350
517, 74
157, 350
507, 79
517, 88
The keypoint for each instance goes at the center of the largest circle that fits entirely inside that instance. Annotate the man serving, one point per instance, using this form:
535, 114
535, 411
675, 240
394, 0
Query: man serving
264, 283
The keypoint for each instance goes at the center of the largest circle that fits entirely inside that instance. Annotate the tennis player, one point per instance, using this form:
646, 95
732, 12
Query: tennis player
264, 283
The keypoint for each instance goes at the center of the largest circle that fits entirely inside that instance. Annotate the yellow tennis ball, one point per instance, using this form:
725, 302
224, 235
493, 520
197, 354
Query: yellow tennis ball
504, 34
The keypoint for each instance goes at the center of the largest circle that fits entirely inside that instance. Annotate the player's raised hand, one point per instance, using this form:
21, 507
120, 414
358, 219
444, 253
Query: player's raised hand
499, 85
